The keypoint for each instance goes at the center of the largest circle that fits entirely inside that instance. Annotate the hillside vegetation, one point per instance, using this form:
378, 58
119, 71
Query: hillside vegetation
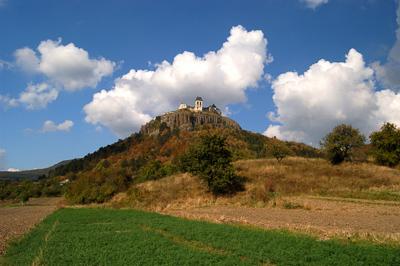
267, 180
139, 158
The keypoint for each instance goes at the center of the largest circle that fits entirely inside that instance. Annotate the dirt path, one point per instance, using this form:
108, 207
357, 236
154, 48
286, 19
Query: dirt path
16, 220
378, 221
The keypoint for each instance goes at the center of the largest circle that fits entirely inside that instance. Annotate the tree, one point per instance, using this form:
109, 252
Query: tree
212, 162
339, 145
278, 150
386, 145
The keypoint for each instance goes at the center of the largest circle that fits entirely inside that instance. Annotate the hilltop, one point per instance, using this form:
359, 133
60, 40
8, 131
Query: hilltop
189, 118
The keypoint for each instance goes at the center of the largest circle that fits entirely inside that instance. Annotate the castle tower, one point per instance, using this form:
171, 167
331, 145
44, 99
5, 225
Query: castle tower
198, 104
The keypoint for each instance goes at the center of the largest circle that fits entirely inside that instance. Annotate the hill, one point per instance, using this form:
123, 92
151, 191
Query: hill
154, 152
30, 174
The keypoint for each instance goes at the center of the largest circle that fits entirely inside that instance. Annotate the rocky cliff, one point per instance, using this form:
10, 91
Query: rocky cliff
187, 120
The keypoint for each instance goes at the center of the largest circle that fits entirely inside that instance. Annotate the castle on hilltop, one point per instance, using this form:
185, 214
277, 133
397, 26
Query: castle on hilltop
189, 118
198, 107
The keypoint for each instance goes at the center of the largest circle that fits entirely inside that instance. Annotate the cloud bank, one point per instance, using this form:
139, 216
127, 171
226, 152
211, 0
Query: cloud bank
313, 4
221, 77
50, 126
328, 93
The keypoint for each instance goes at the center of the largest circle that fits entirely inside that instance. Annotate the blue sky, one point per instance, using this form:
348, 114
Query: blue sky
56, 56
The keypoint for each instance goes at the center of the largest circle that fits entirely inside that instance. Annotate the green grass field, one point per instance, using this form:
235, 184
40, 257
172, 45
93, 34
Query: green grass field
126, 237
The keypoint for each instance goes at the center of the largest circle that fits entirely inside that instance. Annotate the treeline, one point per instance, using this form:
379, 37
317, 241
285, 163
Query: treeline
23, 190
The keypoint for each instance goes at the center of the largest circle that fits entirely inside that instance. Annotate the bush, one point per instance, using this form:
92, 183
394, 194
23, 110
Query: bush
24, 197
386, 145
212, 162
154, 170
339, 145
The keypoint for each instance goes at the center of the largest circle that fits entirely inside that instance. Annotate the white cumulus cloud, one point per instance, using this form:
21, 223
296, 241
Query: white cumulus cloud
66, 66
50, 126
221, 77
309, 105
26, 59
37, 96
388, 73
13, 170
313, 4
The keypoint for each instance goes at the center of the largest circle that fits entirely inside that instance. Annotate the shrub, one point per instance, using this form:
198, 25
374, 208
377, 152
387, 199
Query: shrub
386, 145
339, 145
24, 197
212, 162
154, 170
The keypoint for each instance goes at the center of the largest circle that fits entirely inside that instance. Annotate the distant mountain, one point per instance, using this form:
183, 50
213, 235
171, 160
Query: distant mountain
30, 174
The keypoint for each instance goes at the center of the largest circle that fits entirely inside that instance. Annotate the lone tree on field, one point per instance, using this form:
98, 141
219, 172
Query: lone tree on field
212, 162
278, 150
341, 142
386, 145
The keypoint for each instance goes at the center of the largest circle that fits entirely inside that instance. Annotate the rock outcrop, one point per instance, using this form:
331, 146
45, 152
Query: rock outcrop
187, 120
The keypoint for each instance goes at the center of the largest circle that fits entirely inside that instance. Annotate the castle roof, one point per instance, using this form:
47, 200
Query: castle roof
198, 98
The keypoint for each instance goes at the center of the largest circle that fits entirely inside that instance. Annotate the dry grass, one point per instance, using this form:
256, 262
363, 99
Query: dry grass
295, 176
268, 183
181, 190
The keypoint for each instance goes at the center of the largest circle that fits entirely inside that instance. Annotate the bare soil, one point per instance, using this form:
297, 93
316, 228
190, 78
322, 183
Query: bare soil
17, 219
378, 221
